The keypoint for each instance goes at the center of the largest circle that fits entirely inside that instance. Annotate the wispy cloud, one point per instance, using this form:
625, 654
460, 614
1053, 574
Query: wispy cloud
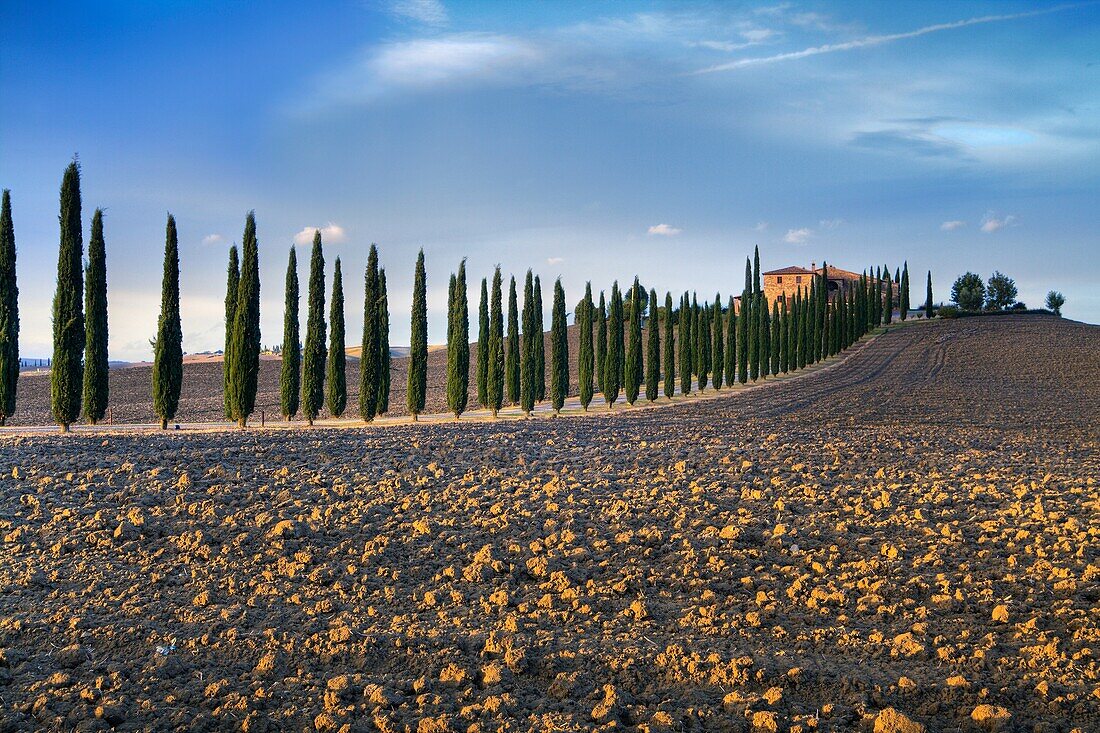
211, 239
876, 40
830, 223
555, 260
953, 225
428, 12
330, 234
992, 223
798, 236
664, 230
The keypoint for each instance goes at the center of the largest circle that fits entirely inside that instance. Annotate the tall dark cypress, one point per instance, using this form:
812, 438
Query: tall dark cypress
701, 336
540, 344
67, 373
785, 338
888, 301
528, 392
601, 343
669, 347
653, 349
336, 387
903, 291
744, 336
754, 337
631, 383
233, 279
613, 369
290, 373
168, 353
800, 330
495, 377
315, 353
368, 357
512, 357
417, 384
928, 297
718, 343
585, 358
559, 350
683, 339
876, 299
246, 328
764, 348
458, 355
774, 342
730, 361
96, 388
756, 270
9, 313
483, 345
382, 405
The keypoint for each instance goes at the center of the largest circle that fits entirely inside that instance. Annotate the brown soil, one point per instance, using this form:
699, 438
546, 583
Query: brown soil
908, 539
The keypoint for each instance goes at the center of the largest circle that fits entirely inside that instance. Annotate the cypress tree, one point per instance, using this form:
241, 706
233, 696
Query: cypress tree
368, 357
233, 279
168, 354
67, 371
585, 360
730, 361
289, 374
528, 392
785, 339
877, 297
383, 356
774, 342
684, 340
631, 385
669, 350
458, 356
246, 328
754, 337
703, 346
653, 349
540, 344
9, 313
743, 337
813, 327
496, 372
904, 291
888, 310
928, 297
512, 358
765, 337
559, 350
337, 387
823, 345
613, 369
483, 345
96, 366
800, 331
601, 344
315, 354
756, 271
718, 346
417, 384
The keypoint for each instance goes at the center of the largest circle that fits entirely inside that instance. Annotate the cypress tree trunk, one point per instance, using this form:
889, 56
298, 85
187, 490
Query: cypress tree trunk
613, 369
290, 380
496, 374
653, 350
928, 313
512, 358
458, 355
168, 354
9, 313
233, 279
246, 328
314, 356
417, 384
67, 371
730, 361
601, 344
631, 383
718, 344
669, 347
559, 350
585, 360
888, 302
337, 382
529, 372
383, 355
540, 345
684, 339
368, 364
483, 345
96, 366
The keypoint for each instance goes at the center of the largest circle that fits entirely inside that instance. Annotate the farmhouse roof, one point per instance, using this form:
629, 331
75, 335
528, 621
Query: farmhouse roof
792, 270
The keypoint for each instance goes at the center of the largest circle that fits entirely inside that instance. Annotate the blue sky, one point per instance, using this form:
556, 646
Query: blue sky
586, 140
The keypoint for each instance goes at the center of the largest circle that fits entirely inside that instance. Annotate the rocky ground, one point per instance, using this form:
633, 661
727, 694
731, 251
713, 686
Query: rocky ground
908, 539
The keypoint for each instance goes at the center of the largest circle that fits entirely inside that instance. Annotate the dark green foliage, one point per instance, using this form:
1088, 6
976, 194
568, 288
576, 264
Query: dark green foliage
785, 339
653, 349
718, 344
633, 367
669, 349
383, 355
315, 354
67, 373
369, 367
613, 368
928, 297
495, 376
1054, 302
96, 387
702, 346
417, 384
540, 344
233, 279
9, 313
888, 314
246, 328
559, 350
528, 392
1000, 291
585, 359
754, 336
903, 292
765, 336
968, 292
800, 330
290, 372
756, 271
730, 360
774, 343
458, 352
483, 345
336, 389
512, 358
683, 338
601, 344
168, 352
813, 322
880, 293
744, 336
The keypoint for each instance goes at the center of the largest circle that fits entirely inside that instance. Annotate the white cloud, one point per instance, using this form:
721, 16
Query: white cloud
991, 223
213, 239
429, 12
664, 230
760, 226
555, 260
950, 226
798, 236
830, 223
330, 234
